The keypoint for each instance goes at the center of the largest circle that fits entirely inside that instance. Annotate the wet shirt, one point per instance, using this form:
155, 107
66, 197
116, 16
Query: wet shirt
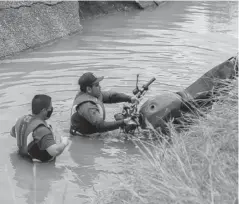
47, 137
93, 112
38, 149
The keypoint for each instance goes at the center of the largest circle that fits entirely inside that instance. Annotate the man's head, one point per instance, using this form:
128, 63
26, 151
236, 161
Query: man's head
89, 83
42, 106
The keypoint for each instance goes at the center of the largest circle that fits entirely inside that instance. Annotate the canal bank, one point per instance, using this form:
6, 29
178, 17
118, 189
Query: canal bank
29, 24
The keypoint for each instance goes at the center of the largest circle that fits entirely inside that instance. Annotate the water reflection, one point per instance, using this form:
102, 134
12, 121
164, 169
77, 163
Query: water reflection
98, 161
34, 178
85, 169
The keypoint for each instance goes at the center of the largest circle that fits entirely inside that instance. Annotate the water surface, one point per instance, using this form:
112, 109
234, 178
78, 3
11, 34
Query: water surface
176, 43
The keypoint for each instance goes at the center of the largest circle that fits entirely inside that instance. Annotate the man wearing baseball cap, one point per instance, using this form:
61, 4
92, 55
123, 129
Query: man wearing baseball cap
88, 111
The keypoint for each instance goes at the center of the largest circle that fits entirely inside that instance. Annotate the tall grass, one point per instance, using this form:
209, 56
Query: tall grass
200, 167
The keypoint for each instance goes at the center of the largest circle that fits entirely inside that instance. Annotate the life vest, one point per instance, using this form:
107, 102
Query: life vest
79, 123
23, 132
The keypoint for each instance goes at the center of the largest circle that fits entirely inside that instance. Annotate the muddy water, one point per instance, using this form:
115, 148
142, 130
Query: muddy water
176, 43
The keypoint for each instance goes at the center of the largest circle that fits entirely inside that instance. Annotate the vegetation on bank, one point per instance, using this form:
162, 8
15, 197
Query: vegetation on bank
200, 167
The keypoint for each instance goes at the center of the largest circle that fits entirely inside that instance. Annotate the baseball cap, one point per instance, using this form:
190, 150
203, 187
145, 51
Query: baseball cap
88, 79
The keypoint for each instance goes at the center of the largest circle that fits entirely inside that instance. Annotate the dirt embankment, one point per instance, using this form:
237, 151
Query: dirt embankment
30, 24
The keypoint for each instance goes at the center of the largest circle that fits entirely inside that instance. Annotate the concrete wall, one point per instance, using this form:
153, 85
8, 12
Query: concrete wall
28, 24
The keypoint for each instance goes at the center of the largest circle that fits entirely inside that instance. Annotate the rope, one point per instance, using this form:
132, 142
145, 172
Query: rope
34, 182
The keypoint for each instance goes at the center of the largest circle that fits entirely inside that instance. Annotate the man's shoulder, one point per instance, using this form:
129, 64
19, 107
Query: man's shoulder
107, 92
22, 119
87, 105
83, 98
41, 131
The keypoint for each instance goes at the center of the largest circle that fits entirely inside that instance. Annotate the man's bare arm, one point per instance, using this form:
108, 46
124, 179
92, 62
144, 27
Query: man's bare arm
12, 132
56, 149
48, 142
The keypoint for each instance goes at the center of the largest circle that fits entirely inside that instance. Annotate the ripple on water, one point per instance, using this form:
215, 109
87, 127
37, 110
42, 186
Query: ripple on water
176, 43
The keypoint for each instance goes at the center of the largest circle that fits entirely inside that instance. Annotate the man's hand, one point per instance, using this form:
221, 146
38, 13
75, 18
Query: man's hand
135, 100
65, 140
130, 125
129, 121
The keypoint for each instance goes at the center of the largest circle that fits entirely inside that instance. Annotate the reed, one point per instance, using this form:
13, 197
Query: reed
199, 167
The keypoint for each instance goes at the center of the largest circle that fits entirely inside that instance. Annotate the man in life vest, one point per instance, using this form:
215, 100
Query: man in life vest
88, 111
35, 139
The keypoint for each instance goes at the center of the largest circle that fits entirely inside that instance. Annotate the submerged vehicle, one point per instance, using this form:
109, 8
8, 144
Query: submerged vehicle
159, 109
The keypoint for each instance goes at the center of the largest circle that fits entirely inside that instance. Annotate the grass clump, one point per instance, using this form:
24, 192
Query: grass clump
200, 167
